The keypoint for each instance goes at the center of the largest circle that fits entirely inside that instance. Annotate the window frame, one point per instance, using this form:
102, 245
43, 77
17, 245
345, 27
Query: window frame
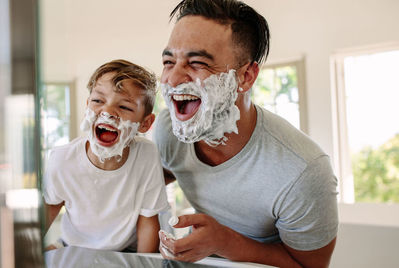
299, 63
381, 214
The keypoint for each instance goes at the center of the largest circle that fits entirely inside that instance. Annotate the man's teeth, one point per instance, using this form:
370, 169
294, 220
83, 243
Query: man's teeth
184, 97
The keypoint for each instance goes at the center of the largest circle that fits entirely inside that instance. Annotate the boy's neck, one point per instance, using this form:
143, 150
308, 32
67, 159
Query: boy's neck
109, 163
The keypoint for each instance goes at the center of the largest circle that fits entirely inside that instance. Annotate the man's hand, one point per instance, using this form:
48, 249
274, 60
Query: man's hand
208, 237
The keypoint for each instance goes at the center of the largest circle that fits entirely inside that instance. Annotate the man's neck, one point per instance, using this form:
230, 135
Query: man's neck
109, 163
217, 155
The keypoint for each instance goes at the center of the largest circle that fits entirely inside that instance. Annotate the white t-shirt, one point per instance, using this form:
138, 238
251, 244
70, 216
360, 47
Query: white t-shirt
102, 207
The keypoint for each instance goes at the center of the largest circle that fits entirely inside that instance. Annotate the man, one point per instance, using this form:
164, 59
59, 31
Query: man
262, 190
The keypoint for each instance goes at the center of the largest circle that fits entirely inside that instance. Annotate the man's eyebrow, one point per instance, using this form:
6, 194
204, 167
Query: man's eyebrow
166, 52
200, 53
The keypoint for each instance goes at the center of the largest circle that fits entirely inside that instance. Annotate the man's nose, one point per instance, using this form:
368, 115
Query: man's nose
177, 75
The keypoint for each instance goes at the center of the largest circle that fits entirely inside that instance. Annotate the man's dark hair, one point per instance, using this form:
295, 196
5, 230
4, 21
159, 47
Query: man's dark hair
249, 29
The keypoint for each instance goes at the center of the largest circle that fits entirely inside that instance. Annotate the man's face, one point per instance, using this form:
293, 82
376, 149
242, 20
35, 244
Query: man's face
197, 48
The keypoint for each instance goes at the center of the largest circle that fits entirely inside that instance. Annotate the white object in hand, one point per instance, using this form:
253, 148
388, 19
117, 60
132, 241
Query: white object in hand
167, 252
164, 249
168, 235
173, 221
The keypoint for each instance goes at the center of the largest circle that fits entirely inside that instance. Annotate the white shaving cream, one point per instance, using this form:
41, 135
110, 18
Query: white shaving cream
127, 130
217, 114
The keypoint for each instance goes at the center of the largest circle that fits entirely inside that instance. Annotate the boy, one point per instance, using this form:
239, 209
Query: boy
111, 182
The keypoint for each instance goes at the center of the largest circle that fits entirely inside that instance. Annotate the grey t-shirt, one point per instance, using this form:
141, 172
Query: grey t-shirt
279, 186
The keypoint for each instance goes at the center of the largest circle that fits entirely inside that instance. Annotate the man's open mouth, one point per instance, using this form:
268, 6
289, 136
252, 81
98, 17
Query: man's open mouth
107, 135
186, 106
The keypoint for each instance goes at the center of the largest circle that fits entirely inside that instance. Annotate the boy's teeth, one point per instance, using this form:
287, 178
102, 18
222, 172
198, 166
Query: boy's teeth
106, 128
184, 97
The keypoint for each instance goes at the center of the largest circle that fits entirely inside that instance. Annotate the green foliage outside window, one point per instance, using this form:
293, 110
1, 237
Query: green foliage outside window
276, 89
55, 115
159, 103
272, 83
376, 173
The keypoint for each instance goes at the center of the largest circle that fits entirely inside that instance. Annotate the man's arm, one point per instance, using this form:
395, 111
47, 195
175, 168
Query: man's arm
147, 234
209, 237
313, 258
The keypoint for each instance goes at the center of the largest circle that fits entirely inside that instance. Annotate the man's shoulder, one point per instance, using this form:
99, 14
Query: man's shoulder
163, 119
284, 134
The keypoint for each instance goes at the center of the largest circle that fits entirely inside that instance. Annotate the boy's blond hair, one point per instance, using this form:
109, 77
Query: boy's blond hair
125, 70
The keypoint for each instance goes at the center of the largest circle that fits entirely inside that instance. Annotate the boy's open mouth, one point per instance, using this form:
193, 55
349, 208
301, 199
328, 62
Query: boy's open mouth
186, 106
106, 135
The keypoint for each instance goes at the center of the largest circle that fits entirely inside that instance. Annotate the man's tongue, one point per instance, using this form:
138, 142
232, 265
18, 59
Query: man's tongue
108, 136
189, 107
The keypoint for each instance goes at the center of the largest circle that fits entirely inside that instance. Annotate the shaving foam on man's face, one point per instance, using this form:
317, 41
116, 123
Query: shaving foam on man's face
210, 108
107, 135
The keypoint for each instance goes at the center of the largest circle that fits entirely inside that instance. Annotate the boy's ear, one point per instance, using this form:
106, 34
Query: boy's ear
146, 123
247, 76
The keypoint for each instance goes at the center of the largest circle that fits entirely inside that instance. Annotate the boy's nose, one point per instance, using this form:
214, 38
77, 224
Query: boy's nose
109, 112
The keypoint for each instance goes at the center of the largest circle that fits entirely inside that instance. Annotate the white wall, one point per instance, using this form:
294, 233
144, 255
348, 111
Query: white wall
78, 36
363, 246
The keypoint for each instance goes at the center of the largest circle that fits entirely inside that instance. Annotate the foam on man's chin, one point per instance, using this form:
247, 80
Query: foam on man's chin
217, 114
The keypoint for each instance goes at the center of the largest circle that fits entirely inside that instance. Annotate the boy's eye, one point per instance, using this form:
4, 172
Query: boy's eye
96, 100
126, 108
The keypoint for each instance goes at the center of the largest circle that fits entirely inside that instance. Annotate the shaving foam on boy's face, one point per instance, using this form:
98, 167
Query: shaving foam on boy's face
108, 135
204, 111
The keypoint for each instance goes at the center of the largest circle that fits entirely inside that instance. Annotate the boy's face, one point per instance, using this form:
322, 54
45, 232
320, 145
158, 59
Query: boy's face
120, 105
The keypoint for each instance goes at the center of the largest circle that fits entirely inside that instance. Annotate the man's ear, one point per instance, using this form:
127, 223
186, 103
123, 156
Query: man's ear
247, 76
146, 124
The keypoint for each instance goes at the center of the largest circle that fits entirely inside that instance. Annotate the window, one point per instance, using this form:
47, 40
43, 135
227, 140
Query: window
55, 105
57, 114
367, 127
280, 89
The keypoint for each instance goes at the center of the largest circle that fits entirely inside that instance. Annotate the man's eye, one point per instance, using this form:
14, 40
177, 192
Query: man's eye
167, 62
96, 100
199, 64
126, 108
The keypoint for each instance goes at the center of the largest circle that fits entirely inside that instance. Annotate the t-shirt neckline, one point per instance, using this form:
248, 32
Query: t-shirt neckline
241, 154
90, 166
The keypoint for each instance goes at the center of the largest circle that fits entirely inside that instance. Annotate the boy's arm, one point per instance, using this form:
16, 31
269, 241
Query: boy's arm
169, 177
147, 234
51, 213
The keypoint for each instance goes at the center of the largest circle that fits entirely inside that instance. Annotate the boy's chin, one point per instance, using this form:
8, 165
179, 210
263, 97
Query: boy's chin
107, 143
